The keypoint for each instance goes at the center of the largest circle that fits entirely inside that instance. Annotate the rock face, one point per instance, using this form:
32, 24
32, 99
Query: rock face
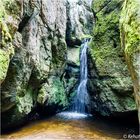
130, 39
37, 34
110, 85
79, 21
34, 66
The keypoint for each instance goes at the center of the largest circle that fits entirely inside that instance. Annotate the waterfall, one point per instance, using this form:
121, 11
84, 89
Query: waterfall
82, 98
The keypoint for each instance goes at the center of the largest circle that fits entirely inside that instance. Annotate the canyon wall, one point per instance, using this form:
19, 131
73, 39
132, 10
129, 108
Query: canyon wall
110, 84
130, 42
34, 55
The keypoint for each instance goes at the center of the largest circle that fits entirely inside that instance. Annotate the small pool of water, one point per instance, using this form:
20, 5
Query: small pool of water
71, 126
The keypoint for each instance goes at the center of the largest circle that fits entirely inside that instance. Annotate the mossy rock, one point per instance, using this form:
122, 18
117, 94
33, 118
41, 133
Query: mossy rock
57, 93
4, 63
22, 106
110, 85
130, 27
130, 41
9, 8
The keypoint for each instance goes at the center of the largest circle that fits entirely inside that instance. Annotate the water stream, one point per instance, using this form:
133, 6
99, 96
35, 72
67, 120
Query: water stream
82, 98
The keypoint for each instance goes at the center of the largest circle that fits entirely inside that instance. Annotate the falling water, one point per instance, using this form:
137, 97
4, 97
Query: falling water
82, 97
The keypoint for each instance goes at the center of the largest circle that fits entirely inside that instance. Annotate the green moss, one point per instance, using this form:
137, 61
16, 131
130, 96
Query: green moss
130, 103
4, 63
105, 47
6, 50
130, 27
6, 37
113, 84
130, 42
24, 100
42, 95
9, 8
2, 10
108, 60
86, 36
106, 30
57, 93
23, 103
12, 9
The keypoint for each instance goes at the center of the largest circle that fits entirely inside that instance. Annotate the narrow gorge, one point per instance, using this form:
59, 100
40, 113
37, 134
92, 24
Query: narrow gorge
70, 69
